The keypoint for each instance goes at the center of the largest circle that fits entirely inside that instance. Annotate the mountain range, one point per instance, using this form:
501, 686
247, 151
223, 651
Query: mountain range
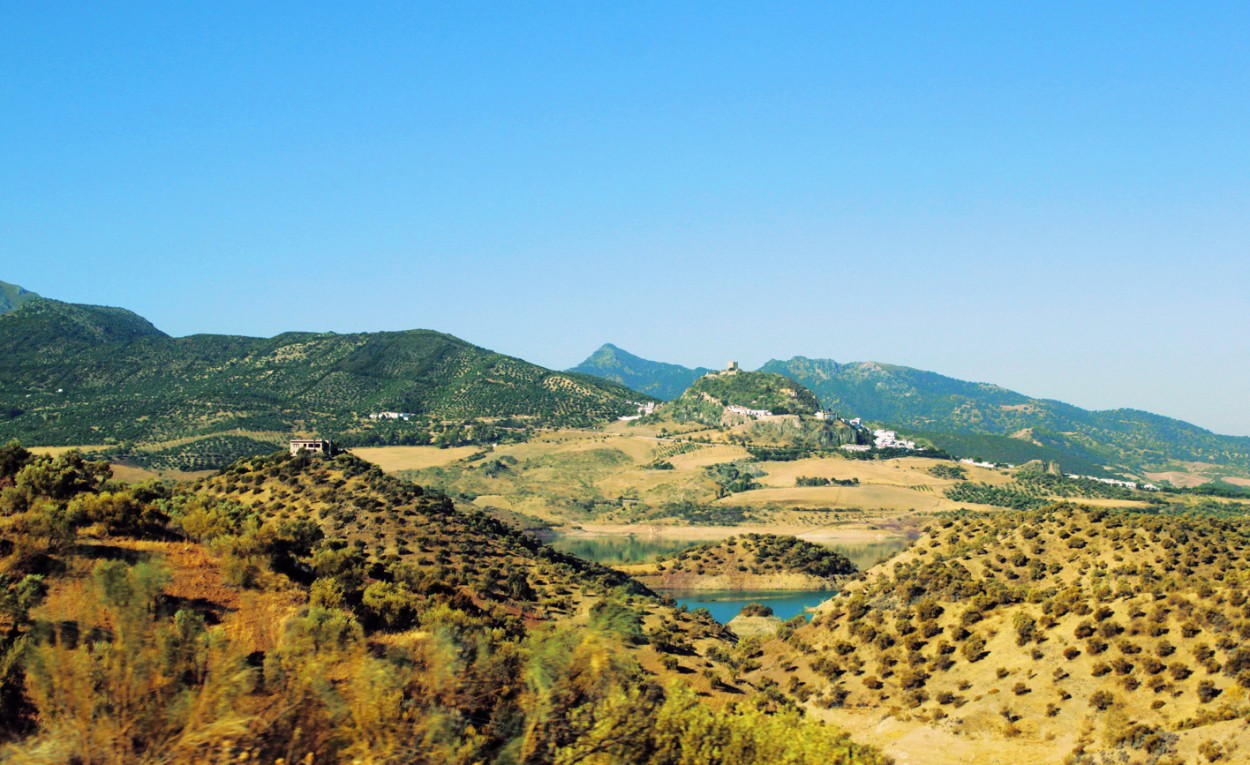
979, 419
81, 374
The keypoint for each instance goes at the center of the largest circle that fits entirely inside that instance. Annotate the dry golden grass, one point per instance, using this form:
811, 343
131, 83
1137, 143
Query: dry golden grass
393, 459
56, 451
1179, 478
133, 474
708, 455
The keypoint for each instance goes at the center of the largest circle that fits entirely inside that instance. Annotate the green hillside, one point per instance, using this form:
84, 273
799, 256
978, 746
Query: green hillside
12, 296
655, 378
72, 374
925, 401
706, 400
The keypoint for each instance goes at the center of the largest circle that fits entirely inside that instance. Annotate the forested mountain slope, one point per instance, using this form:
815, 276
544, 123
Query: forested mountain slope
931, 403
655, 378
982, 420
72, 374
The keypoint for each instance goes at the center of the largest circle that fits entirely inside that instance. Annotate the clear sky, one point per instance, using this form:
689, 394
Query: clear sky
1052, 197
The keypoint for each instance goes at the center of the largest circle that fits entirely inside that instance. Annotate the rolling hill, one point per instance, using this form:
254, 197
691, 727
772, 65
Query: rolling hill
76, 374
707, 399
1031, 635
297, 609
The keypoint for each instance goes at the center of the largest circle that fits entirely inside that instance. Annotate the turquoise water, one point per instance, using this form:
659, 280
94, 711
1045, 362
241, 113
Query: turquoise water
619, 550
725, 605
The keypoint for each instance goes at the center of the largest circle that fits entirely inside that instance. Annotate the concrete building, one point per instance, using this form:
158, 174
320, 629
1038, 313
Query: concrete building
312, 446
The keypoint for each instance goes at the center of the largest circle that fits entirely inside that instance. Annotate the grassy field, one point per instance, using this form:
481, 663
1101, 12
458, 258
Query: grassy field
569, 477
393, 459
53, 451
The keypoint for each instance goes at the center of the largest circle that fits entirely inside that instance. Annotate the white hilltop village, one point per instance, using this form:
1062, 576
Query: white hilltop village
882, 439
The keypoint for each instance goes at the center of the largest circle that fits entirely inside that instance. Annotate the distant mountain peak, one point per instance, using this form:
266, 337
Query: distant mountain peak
654, 378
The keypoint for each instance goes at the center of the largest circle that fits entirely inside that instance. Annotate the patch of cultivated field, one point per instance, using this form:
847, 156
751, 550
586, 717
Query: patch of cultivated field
708, 455
577, 476
56, 451
392, 459
1178, 478
912, 471
135, 474
1100, 502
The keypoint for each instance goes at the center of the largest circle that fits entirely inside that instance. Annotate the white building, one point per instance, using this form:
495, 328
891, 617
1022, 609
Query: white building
1113, 481
752, 413
311, 446
970, 461
888, 439
643, 411
392, 416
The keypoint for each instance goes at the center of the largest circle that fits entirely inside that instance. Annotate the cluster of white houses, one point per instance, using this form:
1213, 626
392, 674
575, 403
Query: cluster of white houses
881, 439
1114, 482
752, 413
970, 461
643, 411
888, 439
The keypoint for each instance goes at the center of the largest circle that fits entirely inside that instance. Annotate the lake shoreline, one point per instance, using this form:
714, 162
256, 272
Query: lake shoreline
824, 534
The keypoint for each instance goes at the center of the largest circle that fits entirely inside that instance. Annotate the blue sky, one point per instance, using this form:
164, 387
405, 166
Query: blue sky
1054, 198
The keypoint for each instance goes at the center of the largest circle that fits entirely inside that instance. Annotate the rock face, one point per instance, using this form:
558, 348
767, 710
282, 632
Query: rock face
748, 562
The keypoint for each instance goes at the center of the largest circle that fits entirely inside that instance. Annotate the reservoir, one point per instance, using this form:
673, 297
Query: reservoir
616, 550
724, 606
